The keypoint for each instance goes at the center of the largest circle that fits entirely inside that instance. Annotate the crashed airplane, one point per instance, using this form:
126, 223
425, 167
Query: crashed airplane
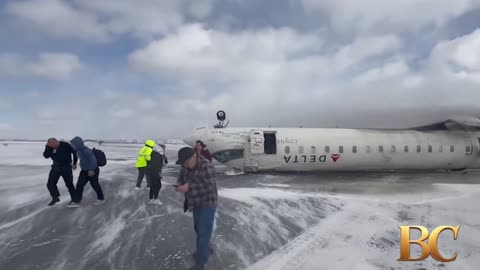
452, 145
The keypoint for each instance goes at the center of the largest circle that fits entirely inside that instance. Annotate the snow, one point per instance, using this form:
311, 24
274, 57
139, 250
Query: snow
271, 222
19, 153
234, 172
31, 153
274, 185
110, 233
365, 234
256, 195
21, 219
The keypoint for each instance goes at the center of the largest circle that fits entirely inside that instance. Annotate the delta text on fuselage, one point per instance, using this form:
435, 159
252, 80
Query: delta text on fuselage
450, 145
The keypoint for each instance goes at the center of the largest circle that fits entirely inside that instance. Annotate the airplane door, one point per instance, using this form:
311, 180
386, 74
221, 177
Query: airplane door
469, 149
257, 142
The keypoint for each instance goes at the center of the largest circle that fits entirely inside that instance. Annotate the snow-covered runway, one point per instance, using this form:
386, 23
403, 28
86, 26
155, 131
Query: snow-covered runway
265, 221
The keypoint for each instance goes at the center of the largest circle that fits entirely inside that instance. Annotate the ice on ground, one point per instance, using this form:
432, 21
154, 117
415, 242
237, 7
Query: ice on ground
365, 235
274, 185
264, 221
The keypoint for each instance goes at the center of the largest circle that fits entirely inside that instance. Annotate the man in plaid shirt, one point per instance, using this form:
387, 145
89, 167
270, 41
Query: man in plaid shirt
197, 181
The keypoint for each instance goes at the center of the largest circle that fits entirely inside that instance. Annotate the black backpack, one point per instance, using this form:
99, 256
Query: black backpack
156, 161
100, 156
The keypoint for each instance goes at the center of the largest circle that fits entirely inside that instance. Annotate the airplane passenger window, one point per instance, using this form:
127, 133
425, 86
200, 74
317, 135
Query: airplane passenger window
300, 149
340, 149
440, 149
367, 149
452, 148
287, 149
354, 149
314, 150
327, 149
394, 149
419, 148
380, 148
405, 148
429, 148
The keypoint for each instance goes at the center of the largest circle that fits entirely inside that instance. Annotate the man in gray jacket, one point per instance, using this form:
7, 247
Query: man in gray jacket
89, 172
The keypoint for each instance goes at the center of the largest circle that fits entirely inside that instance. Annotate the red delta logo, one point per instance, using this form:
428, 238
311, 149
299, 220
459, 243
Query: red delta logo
335, 157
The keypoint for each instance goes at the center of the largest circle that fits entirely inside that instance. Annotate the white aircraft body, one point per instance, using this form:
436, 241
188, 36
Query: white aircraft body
452, 145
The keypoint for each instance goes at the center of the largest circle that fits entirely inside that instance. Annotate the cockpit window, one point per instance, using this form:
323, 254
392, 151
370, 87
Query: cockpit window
227, 155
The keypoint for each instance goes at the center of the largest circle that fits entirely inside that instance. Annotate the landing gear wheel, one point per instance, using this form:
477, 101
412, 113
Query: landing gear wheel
221, 116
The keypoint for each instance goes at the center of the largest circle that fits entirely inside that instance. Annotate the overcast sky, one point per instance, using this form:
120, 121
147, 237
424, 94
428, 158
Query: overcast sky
158, 68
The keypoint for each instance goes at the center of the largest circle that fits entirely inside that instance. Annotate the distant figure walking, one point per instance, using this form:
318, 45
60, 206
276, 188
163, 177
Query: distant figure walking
61, 153
154, 173
143, 158
89, 171
201, 149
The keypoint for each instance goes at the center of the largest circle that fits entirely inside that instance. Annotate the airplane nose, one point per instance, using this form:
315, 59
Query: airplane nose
188, 141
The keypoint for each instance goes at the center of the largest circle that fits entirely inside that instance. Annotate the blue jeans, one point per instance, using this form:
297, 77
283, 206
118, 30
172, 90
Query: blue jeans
203, 225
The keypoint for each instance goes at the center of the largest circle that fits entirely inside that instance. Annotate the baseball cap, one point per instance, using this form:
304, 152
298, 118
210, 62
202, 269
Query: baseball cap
184, 154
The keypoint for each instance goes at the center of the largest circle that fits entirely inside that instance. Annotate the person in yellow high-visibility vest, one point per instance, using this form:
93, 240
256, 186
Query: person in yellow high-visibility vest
144, 156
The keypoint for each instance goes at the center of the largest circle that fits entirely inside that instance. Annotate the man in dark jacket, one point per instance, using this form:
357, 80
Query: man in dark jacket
61, 153
89, 171
200, 190
154, 171
201, 149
